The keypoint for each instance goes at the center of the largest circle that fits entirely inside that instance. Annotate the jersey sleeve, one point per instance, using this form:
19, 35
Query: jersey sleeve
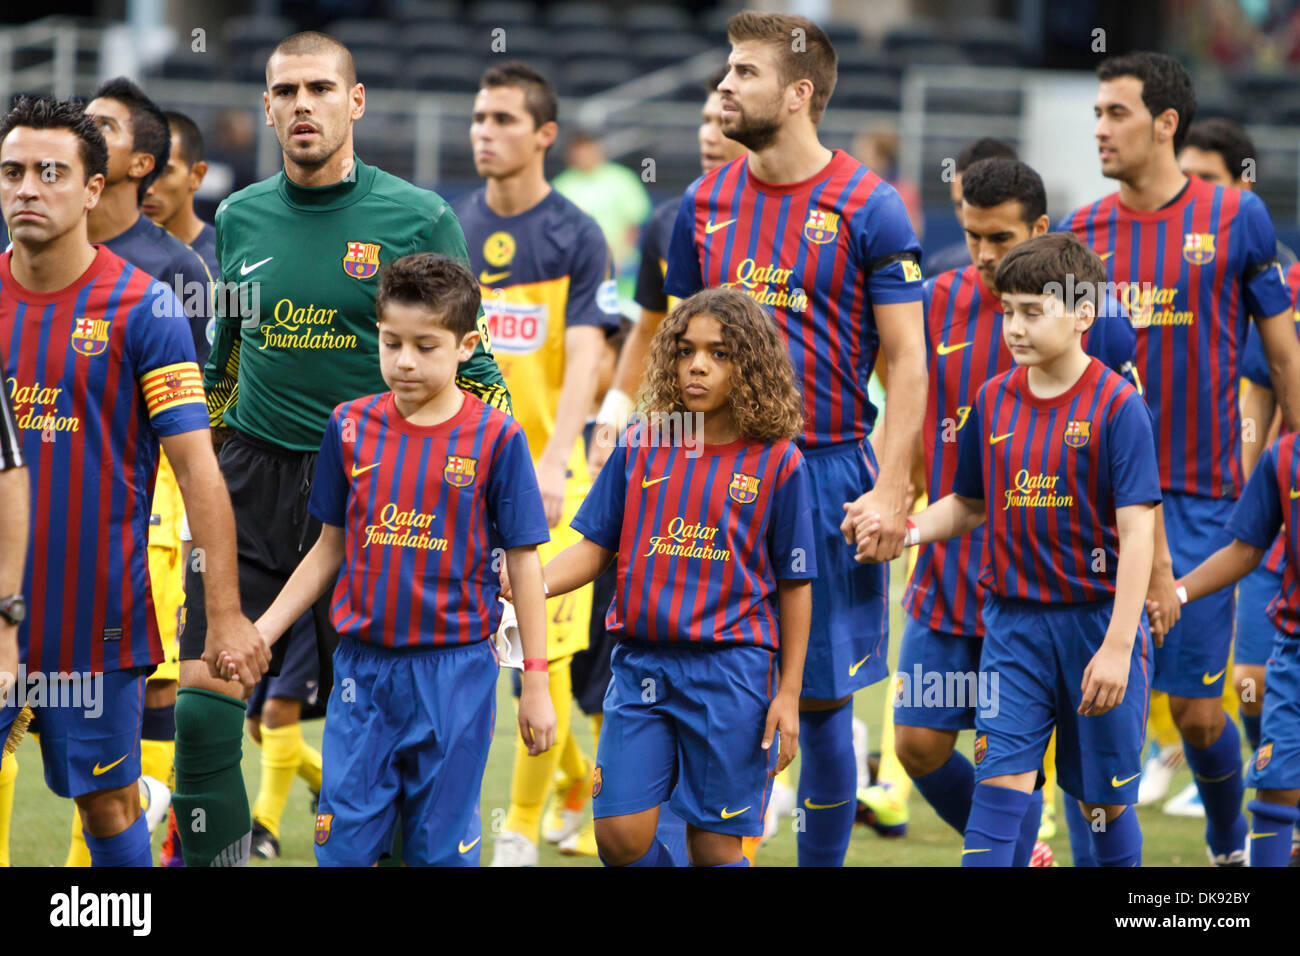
600, 517
160, 354
1257, 517
683, 277
1131, 444
1113, 340
1264, 288
1254, 363
791, 544
887, 248
221, 370
197, 285
329, 488
514, 503
649, 293
593, 293
969, 478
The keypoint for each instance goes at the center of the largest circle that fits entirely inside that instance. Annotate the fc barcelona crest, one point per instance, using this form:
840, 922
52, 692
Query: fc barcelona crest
459, 472
1077, 433
323, 823
981, 747
821, 226
361, 260
596, 782
1198, 247
1263, 756
90, 336
743, 488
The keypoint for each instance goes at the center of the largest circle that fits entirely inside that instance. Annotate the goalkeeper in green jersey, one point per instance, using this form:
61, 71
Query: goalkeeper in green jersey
300, 256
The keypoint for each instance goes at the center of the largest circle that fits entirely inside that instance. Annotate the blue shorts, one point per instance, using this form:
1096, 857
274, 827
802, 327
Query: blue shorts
938, 683
687, 722
848, 642
1035, 655
405, 730
299, 677
1255, 631
1277, 761
1193, 661
89, 729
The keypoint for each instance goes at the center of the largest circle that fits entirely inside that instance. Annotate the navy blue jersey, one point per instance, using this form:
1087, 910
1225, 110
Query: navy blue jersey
655, 237
1267, 507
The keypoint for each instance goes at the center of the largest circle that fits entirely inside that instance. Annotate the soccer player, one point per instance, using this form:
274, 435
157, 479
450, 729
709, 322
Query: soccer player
1057, 455
309, 243
714, 544
418, 490
955, 256
170, 200
102, 370
550, 300
826, 245
1196, 261
15, 505
1004, 204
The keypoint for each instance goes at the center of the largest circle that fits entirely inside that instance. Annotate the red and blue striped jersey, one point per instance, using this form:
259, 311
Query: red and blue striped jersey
97, 372
819, 254
1191, 274
1051, 473
1270, 506
963, 338
703, 533
427, 513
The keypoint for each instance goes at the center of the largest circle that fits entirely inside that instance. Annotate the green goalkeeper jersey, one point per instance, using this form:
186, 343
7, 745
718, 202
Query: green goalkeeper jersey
306, 264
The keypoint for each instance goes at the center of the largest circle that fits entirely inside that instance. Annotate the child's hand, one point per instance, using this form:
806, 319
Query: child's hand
782, 720
1159, 627
536, 717
506, 593
867, 532
1104, 680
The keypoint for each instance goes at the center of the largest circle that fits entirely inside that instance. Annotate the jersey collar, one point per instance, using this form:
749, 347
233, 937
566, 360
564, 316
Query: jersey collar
334, 196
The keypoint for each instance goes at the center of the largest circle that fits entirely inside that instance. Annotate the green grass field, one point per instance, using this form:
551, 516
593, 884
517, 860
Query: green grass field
42, 821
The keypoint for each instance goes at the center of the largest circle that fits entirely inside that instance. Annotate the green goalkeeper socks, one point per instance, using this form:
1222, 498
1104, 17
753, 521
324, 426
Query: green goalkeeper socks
210, 800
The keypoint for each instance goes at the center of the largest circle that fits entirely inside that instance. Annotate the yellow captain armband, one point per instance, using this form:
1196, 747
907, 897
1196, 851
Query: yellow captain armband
172, 385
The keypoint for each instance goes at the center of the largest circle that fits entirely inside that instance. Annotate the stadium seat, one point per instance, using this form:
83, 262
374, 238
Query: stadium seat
249, 66
360, 35
992, 42
502, 13
418, 12
446, 74
242, 33
589, 77
662, 50
380, 69
657, 18
185, 65
866, 91
590, 44
899, 40
437, 39
522, 42
576, 14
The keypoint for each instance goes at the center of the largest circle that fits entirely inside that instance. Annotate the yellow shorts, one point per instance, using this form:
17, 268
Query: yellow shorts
568, 617
166, 575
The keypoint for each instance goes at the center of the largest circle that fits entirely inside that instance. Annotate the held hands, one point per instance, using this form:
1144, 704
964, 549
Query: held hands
866, 531
877, 529
236, 650
1105, 679
1162, 604
536, 714
782, 721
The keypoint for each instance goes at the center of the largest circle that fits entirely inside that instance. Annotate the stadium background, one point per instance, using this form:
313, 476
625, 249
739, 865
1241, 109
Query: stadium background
919, 78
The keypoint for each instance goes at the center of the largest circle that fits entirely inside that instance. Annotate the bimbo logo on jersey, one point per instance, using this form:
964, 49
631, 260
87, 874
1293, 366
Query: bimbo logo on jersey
516, 327
361, 261
90, 336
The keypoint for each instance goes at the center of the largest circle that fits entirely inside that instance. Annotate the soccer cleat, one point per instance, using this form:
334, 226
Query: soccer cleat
880, 809
514, 849
169, 854
264, 845
566, 812
1187, 803
860, 753
581, 843
1042, 855
1047, 826
1158, 774
155, 799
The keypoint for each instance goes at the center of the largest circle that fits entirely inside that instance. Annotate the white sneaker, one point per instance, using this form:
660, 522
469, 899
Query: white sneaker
1235, 858
1158, 774
155, 798
514, 849
860, 753
569, 823
1187, 803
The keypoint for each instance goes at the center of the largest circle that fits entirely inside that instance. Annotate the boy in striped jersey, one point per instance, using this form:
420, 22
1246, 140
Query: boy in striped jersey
1066, 480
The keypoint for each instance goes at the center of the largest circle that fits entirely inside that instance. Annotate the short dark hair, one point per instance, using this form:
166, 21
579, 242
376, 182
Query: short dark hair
1049, 265
188, 137
149, 132
815, 61
715, 80
45, 112
443, 286
1226, 138
539, 93
310, 42
1165, 85
991, 182
984, 148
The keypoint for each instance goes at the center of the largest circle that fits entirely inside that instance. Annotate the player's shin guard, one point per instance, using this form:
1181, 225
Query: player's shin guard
210, 800
994, 825
281, 758
1080, 834
827, 786
8, 779
1119, 841
949, 790
1250, 723
128, 848
1217, 772
1028, 830
1270, 833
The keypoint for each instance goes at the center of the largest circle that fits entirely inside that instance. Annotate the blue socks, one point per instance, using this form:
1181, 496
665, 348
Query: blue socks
1217, 772
1251, 724
1119, 843
1270, 834
828, 781
949, 790
1080, 833
131, 846
994, 826
671, 834
657, 855
1024, 850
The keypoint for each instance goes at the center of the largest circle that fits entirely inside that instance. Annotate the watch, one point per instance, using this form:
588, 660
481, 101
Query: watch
13, 609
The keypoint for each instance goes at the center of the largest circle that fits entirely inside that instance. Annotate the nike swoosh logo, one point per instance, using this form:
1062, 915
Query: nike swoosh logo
711, 227
361, 471
466, 849
822, 806
986, 850
728, 814
1295, 493
1208, 679
994, 439
1214, 779
487, 278
245, 268
853, 668
1106, 255
647, 484
1260, 836
949, 349
97, 769
1116, 782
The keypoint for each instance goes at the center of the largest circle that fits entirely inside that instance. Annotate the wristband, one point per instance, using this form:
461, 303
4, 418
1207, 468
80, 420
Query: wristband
615, 409
913, 534
1182, 593
534, 663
